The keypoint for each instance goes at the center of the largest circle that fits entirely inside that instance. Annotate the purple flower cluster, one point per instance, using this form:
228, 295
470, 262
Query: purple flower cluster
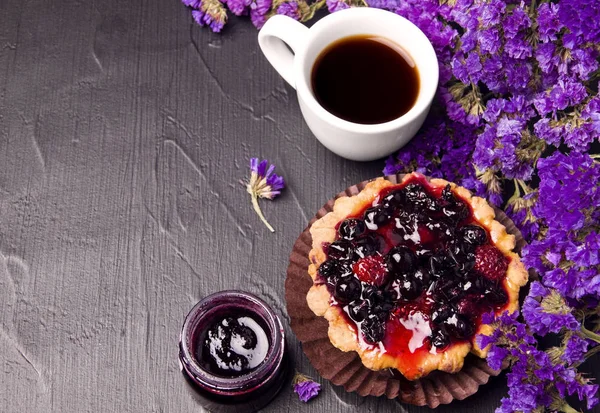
547, 312
209, 13
518, 107
289, 9
567, 257
213, 13
518, 74
568, 203
449, 158
533, 372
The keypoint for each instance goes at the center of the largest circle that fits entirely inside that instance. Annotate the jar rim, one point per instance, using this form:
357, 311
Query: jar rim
245, 382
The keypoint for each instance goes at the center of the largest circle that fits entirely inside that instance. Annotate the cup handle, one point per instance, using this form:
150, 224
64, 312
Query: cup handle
278, 31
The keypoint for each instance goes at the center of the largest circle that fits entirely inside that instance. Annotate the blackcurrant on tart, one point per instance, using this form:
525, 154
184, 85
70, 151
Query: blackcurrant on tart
403, 273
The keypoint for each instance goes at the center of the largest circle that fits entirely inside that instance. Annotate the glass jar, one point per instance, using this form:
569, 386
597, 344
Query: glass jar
246, 392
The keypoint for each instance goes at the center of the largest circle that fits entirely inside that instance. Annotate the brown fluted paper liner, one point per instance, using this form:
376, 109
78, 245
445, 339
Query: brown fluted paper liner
346, 369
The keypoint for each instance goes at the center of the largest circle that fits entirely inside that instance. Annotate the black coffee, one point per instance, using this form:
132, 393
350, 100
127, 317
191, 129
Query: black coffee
365, 79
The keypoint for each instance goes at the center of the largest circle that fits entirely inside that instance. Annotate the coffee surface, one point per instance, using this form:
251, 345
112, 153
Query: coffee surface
365, 79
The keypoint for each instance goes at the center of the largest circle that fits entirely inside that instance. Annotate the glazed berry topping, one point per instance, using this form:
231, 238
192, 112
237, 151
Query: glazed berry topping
497, 296
414, 270
418, 198
373, 329
441, 313
371, 270
459, 326
394, 199
331, 271
490, 262
340, 250
408, 287
376, 217
347, 289
468, 305
351, 228
473, 234
329, 268
440, 339
401, 260
369, 244
358, 310
462, 254
441, 265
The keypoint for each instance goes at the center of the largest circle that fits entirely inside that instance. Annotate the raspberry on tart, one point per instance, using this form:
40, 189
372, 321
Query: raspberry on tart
403, 273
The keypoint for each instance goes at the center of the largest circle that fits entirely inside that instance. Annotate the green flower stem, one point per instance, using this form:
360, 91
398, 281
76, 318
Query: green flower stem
299, 378
591, 352
590, 335
516, 194
259, 212
566, 408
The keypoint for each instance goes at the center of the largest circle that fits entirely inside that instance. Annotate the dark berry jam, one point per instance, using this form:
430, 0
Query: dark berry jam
414, 271
232, 353
233, 346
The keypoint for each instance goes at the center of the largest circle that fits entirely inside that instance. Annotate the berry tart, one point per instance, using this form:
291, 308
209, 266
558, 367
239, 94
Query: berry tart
403, 272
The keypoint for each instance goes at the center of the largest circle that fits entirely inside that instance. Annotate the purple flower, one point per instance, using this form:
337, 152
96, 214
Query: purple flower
575, 349
238, 7
306, 388
258, 12
383, 4
195, 4
547, 312
491, 12
489, 40
586, 253
580, 17
518, 75
551, 134
515, 22
533, 372
263, 183
210, 13
548, 22
290, 9
518, 48
336, 5
546, 57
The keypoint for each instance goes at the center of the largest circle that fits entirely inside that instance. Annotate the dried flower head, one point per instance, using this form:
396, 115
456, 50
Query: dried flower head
263, 183
305, 387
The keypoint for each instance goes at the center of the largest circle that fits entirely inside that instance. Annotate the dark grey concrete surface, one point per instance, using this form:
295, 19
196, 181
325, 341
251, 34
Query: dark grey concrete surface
124, 133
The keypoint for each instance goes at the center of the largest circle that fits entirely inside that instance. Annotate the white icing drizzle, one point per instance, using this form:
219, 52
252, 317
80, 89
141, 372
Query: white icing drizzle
255, 356
420, 328
369, 221
414, 236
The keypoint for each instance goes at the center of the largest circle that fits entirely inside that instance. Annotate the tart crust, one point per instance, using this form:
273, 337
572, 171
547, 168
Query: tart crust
344, 336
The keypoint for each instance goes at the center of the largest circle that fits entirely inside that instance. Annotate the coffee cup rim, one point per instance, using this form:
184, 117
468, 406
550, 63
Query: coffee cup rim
424, 98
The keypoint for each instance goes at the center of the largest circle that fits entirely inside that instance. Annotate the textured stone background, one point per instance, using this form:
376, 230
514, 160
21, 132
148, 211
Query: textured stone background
124, 132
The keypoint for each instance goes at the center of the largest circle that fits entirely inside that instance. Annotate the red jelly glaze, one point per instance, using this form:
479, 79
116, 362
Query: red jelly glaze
397, 337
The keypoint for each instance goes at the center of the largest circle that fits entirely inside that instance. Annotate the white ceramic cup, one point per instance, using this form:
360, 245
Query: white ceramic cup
350, 140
